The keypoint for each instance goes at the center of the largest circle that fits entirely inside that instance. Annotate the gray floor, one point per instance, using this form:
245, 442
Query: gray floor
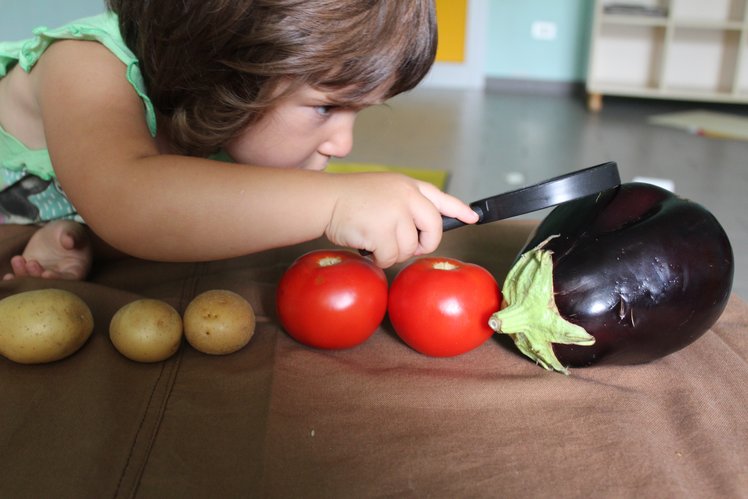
493, 142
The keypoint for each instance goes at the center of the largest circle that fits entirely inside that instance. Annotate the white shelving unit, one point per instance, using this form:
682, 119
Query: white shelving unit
669, 49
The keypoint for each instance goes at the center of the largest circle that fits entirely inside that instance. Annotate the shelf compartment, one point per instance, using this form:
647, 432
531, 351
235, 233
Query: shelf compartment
709, 24
701, 60
629, 55
741, 88
673, 49
636, 8
631, 20
714, 11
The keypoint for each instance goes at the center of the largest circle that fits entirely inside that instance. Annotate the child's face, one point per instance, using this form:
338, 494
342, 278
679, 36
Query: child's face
304, 130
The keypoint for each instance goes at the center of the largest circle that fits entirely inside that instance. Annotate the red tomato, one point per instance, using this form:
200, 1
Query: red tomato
332, 299
441, 306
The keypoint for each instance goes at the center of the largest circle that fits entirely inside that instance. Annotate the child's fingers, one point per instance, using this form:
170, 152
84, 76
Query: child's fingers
395, 231
429, 237
408, 241
447, 204
398, 246
386, 255
19, 265
430, 226
429, 229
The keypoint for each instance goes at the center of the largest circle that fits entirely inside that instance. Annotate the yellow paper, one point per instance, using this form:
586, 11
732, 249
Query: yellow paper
436, 177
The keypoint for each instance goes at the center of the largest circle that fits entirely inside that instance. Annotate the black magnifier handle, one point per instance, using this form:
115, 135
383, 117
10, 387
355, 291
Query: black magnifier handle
449, 223
552, 192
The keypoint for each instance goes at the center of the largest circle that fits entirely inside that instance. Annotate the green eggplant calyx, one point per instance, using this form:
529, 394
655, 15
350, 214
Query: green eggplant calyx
529, 314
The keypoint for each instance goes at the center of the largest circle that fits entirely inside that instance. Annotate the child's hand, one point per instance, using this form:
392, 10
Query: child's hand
393, 216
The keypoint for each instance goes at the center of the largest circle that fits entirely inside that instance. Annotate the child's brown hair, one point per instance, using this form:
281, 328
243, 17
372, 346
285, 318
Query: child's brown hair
213, 67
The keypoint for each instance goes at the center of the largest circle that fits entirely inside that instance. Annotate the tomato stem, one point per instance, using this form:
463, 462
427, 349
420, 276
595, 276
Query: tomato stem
444, 265
329, 261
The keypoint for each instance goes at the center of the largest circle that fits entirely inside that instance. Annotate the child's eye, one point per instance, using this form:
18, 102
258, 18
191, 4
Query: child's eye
324, 110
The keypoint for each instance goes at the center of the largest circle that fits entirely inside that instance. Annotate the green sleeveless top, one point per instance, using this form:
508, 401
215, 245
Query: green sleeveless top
29, 192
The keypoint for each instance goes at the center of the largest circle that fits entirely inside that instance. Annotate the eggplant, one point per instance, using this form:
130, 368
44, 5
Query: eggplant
626, 276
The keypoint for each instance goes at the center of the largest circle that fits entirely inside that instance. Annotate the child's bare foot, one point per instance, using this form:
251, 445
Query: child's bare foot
58, 250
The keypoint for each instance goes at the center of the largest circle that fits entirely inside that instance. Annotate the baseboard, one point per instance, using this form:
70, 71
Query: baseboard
542, 87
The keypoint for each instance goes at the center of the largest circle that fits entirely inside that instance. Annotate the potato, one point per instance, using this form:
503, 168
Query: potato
43, 325
219, 322
146, 330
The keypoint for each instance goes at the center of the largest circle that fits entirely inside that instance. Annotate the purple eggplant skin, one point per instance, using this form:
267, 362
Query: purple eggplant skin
642, 270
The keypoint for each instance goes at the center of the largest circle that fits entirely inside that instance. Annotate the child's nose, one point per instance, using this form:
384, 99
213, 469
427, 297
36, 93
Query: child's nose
340, 141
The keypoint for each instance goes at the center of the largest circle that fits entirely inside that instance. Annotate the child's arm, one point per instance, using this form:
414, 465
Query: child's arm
175, 208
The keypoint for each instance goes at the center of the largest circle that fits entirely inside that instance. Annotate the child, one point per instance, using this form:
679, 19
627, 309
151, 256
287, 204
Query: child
120, 121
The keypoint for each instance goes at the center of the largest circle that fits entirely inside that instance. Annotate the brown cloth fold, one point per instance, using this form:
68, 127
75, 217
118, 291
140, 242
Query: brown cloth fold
278, 419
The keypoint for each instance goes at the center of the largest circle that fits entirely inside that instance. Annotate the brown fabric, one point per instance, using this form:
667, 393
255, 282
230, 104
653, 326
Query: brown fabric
278, 419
